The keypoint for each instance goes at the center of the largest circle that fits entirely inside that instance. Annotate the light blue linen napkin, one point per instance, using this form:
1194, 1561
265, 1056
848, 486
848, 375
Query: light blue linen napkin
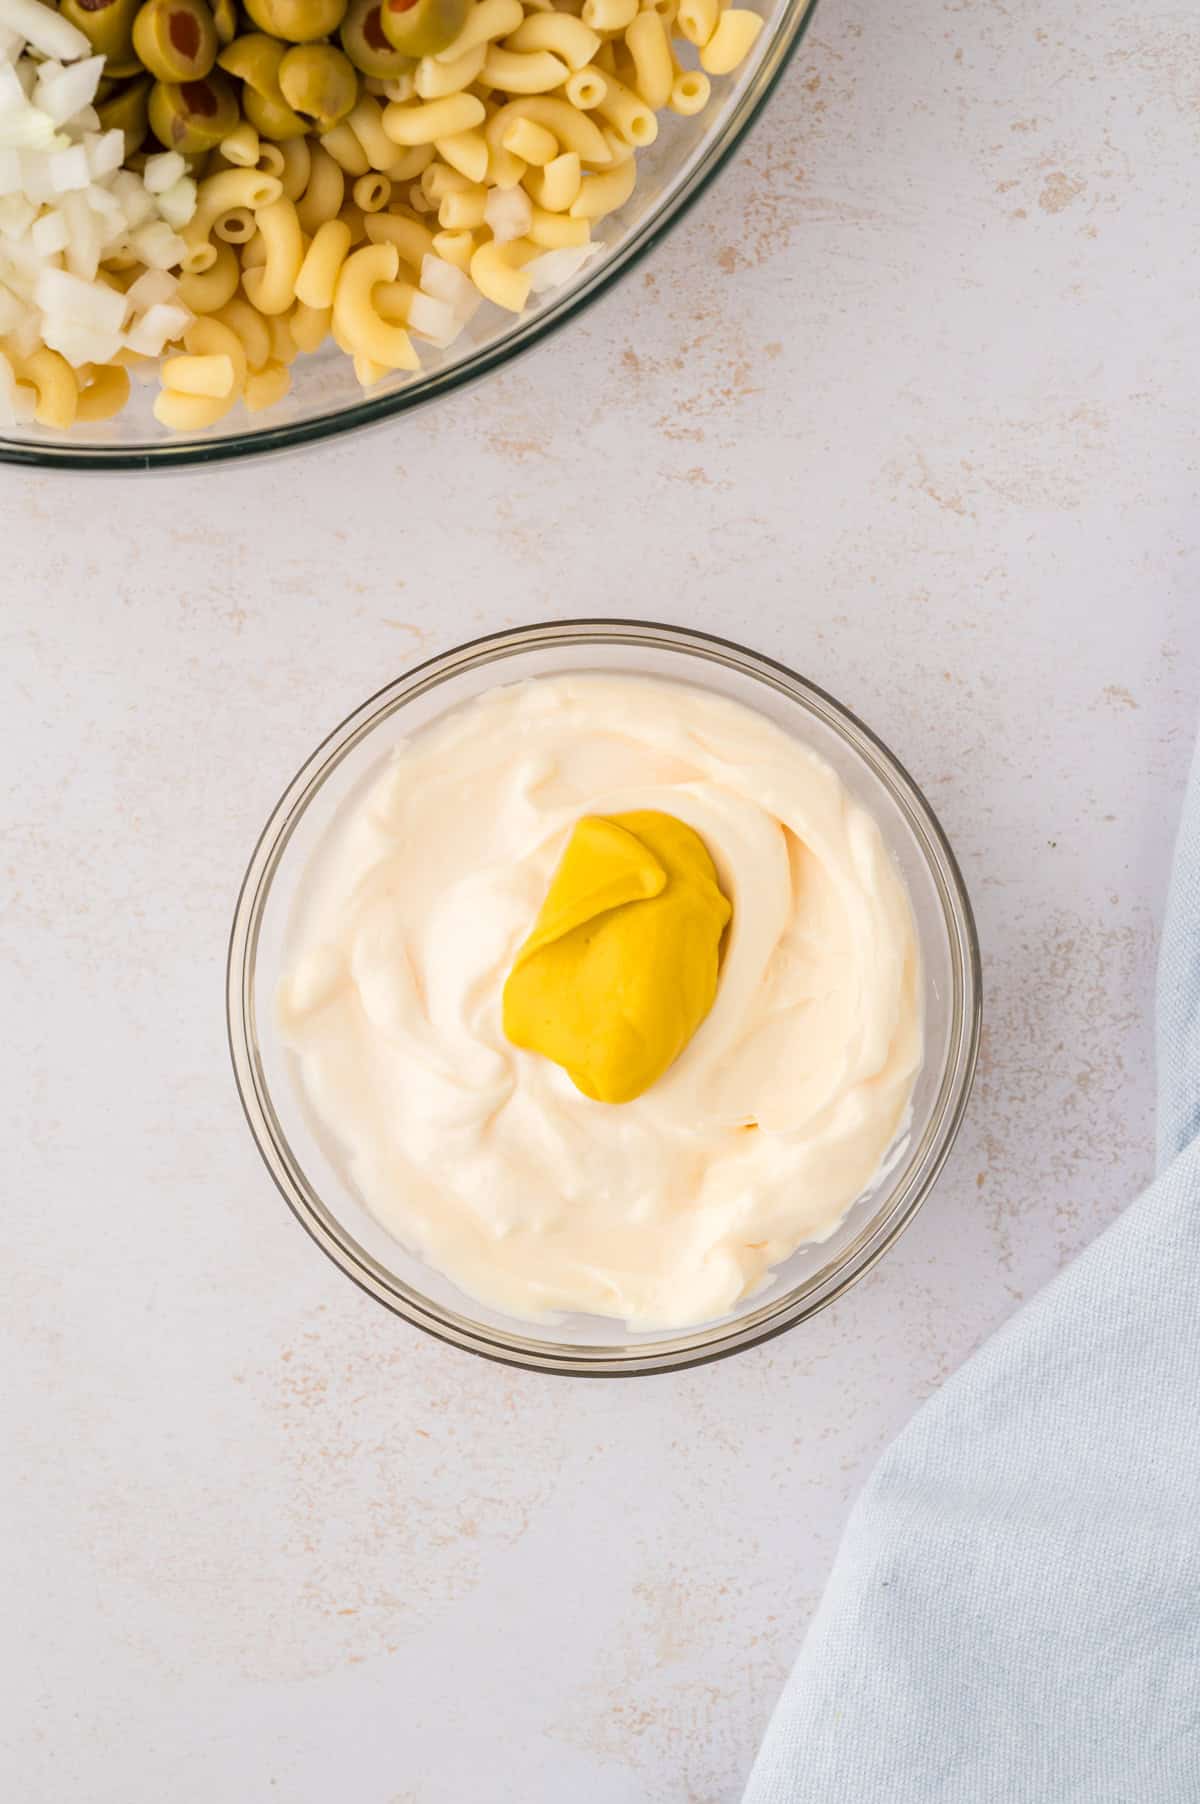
1015, 1610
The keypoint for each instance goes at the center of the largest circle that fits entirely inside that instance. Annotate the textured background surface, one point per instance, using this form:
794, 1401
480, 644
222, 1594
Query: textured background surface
908, 401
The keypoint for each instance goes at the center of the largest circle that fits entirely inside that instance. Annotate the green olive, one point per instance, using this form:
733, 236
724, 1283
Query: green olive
192, 115
298, 21
422, 27
125, 109
255, 58
364, 43
273, 119
176, 39
225, 20
106, 24
318, 81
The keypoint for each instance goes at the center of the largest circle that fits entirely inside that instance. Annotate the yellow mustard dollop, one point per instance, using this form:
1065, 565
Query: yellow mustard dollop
621, 966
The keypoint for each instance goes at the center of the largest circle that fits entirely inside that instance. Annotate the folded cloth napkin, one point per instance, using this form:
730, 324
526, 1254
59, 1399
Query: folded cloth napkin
1015, 1610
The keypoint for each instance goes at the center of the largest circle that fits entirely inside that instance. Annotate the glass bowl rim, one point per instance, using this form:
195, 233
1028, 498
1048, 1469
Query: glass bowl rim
267, 440
709, 1342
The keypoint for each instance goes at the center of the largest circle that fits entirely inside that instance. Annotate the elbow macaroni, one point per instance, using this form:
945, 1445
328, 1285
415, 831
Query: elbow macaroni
317, 276
734, 38
383, 226
361, 326
272, 289
565, 36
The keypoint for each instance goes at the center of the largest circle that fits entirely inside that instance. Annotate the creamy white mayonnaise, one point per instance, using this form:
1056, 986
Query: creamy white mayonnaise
486, 1160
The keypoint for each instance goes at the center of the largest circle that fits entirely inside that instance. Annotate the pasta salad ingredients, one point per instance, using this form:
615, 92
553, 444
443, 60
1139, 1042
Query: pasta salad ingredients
70, 217
367, 172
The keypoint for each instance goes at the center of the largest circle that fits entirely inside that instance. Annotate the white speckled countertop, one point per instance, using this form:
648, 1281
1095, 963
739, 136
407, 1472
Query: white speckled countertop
909, 402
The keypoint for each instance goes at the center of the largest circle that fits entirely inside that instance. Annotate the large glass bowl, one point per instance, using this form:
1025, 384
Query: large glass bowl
326, 399
305, 1169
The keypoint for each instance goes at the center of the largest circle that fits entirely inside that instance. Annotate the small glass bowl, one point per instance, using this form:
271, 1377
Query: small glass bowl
306, 1170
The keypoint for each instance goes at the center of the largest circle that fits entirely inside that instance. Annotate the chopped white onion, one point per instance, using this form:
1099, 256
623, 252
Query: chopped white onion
162, 172
553, 268
67, 205
45, 29
157, 245
178, 203
85, 236
152, 286
63, 92
80, 343
68, 169
48, 234
11, 309
447, 283
158, 326
23, 127
137, 205
433, 319
105, 153
509, 212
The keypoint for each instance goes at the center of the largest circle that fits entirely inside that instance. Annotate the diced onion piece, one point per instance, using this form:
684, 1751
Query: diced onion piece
63, 93
509, 213
158, 326
445, 282
44, 28
178, 202
61, 295
163, 171
79, 342
157, 245
153, 286
48, 234
553, 268
11, 310
85, 236
433, 319
68, 169
105, 153
136, 204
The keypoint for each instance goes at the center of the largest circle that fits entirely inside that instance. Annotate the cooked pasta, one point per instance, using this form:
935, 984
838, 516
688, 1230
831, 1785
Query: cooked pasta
273, 288
731, 42
424, 193
322, 199
211, 376
567, 37
359, 323
318, 273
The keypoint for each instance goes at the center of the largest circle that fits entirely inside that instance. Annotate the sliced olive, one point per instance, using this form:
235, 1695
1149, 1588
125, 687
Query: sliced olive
255, 58
125, 109
273, 119
106, 24
192, 115
225, 20
318, 81
176, 39
299, 21
422, 27
364, 43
